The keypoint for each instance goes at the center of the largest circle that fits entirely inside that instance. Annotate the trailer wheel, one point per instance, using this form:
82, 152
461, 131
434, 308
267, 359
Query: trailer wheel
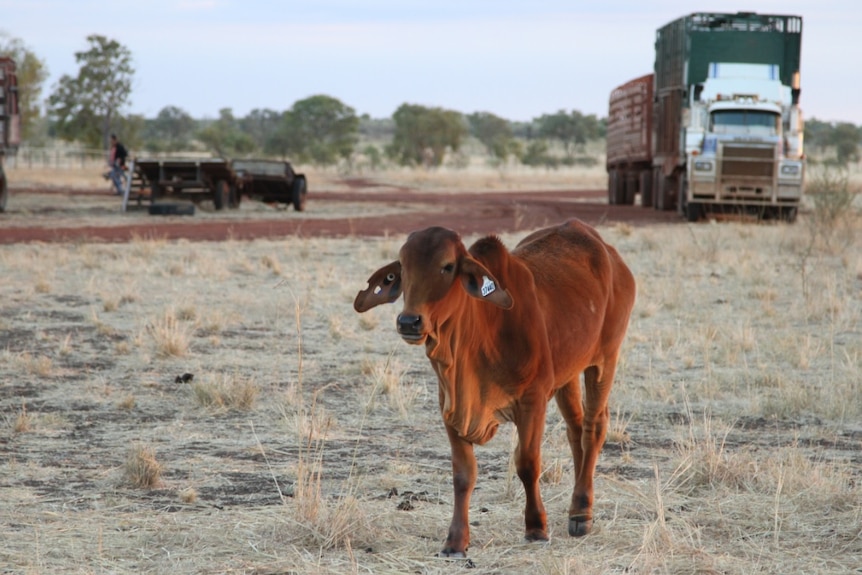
4, 191
221, 195
660, 199
298, 193
155, 192
645, 186
234, 197
630, 188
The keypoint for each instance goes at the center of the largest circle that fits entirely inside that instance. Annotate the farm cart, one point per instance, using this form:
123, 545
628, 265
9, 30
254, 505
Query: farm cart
271, 181
188, 179
10, 127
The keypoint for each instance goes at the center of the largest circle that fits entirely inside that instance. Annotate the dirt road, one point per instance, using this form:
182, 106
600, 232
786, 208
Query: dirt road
366, 213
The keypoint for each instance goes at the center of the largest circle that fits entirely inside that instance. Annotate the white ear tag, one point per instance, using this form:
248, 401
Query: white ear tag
488, 287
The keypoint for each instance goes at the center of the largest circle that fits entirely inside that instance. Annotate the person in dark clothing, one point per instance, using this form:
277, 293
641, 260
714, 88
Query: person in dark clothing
117, 162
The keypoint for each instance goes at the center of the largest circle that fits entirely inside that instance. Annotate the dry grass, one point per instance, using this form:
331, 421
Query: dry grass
734, 442
141, 469
170, 336
226, 392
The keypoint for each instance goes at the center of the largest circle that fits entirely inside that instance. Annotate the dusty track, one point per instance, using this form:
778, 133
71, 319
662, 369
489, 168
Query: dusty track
468, 212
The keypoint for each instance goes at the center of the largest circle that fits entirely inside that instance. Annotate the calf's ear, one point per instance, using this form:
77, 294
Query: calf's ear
384, 286
481, 284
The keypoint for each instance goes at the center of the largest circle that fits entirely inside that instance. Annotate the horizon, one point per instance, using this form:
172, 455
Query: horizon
515, 61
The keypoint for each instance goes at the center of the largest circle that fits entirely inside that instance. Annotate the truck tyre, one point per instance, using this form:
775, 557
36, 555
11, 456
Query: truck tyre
630, 189
298, 193
661, 197
682, 195
221, 195
788, 214
4, 191
693, 211
612, 186
645, 185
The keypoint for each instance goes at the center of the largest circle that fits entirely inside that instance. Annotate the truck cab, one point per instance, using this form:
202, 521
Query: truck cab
743, 141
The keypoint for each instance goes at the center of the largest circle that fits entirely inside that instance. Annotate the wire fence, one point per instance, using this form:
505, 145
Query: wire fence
56, 158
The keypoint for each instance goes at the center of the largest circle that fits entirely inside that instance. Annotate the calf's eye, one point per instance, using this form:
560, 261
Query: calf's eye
448, 269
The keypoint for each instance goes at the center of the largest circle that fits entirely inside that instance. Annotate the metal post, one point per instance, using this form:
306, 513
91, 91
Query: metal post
127, 188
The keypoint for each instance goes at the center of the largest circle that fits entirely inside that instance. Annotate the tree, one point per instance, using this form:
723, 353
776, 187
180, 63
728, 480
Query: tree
494, 133
31, 72
320, 129
86, 107
571, 129
170, 131
422, 134
225, 138
845, 137
261, 125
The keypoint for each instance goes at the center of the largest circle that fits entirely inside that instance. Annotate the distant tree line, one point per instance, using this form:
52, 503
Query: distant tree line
320, 129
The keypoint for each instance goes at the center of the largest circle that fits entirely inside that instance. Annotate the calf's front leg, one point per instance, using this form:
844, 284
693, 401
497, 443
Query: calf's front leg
464, 471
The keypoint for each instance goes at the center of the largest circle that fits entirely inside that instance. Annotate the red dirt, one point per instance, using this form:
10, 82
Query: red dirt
465, 212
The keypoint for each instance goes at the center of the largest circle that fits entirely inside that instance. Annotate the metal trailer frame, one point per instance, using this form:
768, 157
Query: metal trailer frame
192, 179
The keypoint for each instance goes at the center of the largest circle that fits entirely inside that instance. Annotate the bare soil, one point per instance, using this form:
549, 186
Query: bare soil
735, 444
368, 209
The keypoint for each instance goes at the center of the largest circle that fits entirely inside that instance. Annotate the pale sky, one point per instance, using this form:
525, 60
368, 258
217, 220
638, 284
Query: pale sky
518, 59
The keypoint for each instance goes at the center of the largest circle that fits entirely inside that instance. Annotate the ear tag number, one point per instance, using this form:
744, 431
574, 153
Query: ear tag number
488, 286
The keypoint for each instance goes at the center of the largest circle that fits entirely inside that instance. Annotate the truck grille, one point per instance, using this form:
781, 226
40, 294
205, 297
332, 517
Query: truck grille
747, 161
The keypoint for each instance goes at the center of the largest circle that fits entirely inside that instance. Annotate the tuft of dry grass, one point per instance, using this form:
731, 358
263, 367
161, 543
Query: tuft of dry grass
41, 365
229, 392
141, 469
170, 336
23, 421
127, 403
388, 378
188, 495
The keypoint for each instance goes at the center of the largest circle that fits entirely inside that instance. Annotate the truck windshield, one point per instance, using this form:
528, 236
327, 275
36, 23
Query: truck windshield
735, 121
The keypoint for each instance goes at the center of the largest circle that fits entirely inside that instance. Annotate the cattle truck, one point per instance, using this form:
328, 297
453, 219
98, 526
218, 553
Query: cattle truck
717, 126
10, 121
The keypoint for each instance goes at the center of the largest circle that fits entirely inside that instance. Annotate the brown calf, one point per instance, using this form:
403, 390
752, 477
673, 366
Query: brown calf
506, 331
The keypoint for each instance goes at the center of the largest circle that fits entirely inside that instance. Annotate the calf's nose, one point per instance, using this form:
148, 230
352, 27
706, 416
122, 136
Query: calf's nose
409, 325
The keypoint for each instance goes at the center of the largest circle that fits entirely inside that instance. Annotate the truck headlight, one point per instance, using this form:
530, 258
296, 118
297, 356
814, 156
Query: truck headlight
790, 170
703, 166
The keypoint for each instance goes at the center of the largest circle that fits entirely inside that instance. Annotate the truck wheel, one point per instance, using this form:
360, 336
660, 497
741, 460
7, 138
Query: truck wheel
788, 214
661, 196
682, 196
693, 211
630, 189
4, 191
298, 192
221, 195
645, 185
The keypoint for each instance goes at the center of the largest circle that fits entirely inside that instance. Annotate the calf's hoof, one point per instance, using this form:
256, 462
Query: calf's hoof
536, 536
580, 526
452, 553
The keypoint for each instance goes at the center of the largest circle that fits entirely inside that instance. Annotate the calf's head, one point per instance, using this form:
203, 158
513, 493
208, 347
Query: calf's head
433, 271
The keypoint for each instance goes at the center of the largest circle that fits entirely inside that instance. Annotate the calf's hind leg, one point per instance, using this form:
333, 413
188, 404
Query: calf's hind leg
587, 426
